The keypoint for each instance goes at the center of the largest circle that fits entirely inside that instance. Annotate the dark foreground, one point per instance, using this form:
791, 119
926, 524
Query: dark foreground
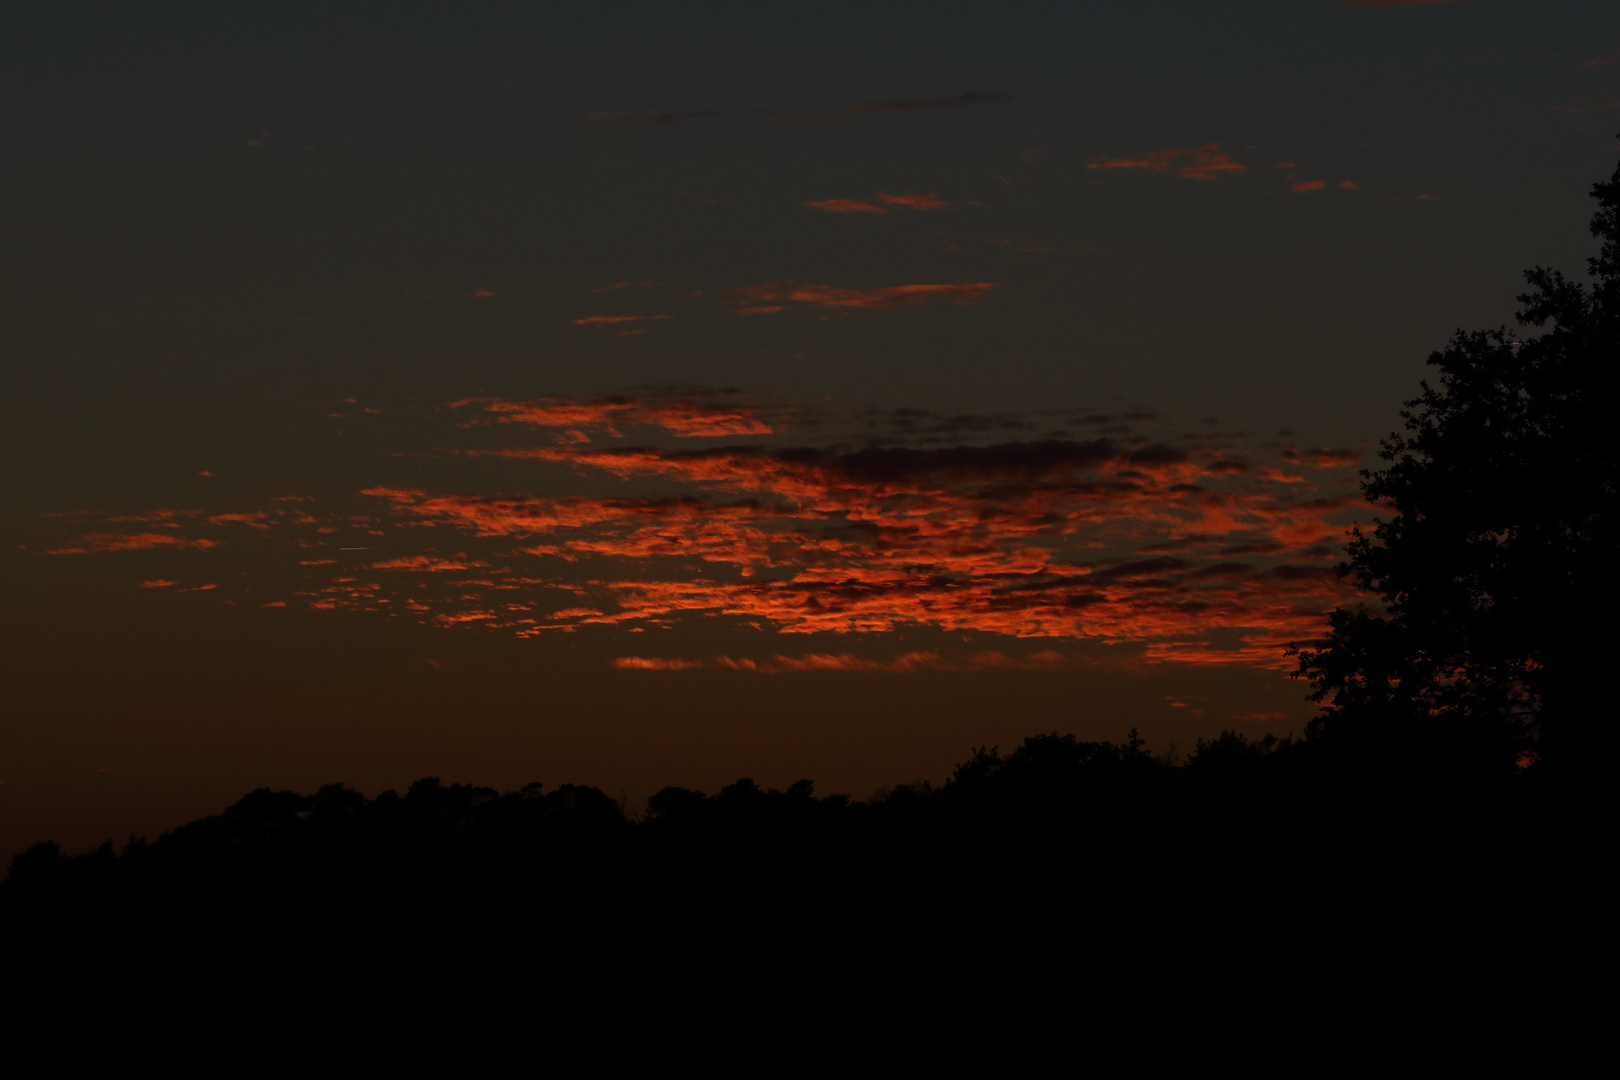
1061, 869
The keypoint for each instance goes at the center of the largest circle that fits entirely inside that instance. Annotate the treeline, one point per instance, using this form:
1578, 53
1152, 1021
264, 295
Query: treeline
1068, 835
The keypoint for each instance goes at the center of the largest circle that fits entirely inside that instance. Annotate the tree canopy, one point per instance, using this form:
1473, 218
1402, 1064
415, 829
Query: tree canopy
1495, 565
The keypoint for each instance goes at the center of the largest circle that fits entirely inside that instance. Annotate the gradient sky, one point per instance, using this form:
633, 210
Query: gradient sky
631, 394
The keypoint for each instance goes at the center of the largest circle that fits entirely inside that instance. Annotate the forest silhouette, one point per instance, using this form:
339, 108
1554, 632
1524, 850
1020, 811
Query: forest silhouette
1448, 796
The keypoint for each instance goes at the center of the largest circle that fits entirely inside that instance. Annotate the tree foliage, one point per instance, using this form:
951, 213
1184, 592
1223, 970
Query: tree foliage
1496, 566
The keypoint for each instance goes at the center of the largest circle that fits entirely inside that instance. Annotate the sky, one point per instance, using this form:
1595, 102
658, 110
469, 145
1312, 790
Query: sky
641, 394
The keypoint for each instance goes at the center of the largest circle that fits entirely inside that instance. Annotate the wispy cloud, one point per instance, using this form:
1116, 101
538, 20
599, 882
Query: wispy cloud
653, 663
1205, 163
887, 297
914, 201
1177, 547
428, 563
1321, 457
928, 660
678, 417
909, 200
100, 542
618, 320
846, 206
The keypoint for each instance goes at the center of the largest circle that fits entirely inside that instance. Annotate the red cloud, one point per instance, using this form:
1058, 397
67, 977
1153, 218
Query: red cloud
652, 663
615, 320
427, 563
990, 538
829, 296
1310, 185
1205, 163
689, 419
811, 662
908, 199
1324, 458
1172, 550
98, 542
846, 206
157, 583
914, 201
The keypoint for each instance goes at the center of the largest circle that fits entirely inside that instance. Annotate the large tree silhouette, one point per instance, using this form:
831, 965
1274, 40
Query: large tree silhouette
1496, 568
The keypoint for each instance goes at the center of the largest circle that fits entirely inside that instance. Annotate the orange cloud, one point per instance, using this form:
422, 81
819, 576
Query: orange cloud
846, 206
427, 563
914, 201
615, 320
1349, 185
681, 418
99, 542
1003, 538
157, 583
1204, 552
815, 662
652, 663
1205, 163
1321, 457
883, 298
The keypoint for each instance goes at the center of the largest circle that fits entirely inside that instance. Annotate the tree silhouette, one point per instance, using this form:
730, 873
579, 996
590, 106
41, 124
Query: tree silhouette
1496, 568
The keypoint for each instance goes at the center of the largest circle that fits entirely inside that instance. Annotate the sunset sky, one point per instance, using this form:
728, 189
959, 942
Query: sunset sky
643, 394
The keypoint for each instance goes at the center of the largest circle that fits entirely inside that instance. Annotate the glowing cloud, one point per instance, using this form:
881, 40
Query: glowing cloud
427, 563
913, 201
1205, 163
617, 320
681, 418
99, 542
829, 296
846, 206
1171, 548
